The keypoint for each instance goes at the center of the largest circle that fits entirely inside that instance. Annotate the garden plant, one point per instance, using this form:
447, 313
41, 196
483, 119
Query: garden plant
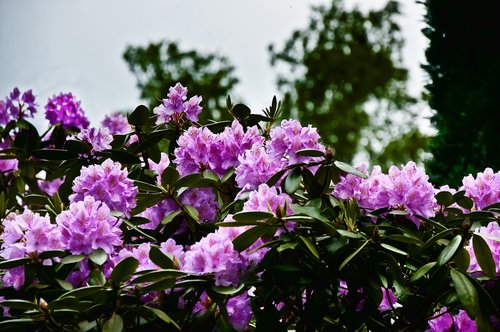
154, 221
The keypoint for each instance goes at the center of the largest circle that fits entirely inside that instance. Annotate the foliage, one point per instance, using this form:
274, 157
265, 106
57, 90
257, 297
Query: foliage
463, 68
348, 81
200, 250
158, 66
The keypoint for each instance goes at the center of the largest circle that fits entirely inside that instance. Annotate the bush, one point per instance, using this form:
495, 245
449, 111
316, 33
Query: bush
155, 221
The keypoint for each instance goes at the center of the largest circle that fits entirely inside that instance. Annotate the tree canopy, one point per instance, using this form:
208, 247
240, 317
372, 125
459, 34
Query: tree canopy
344, 75
160, 65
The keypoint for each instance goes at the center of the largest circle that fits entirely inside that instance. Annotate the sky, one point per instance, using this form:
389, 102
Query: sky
54, 46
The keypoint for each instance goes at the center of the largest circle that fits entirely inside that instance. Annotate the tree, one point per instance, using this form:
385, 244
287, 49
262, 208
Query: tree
160, 65
347, 80
462, 62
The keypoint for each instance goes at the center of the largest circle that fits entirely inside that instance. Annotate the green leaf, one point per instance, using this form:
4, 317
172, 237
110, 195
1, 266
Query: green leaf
394, 249
147, 187
484, 256
312, 248
158, 275
19, 304
124, 270
139, 116
241, 111
350, 234
227, 290
9, 264
35, 199
113, 324
15, 324
423, 270
163, 316
160, 285
169, 217
64, 284
75, 146
404, 239
275, 178
466, 292
252, 216
192, 212
465, 202
188, 180
98, 256
247, 238
160, 259
209, 175
444, 198
286, 246
349, 169
138, 230
227, 175
449, 250
310, 211
122, 156
72, 259
292, 181
169, 176
310, 153
435, 238
54, 154
52, 253
351, 256
82, 292
462, 259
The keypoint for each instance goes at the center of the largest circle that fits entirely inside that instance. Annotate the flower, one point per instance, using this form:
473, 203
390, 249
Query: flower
50, 187
107, 183
160, 166
490, 234
239, 311
484, 189
66, 110
15, 105
175, 107
116, 123
100, 139
444, 321
194, 152
88, 225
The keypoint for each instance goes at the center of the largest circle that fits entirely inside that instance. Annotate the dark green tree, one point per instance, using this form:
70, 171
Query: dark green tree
464, 68
344, 75
158, 66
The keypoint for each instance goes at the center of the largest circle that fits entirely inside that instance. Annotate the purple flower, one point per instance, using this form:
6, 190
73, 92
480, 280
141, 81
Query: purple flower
50, 187
116, 123
446, 322
100, 139
484, 189
388, 300
8, 166
268, 200
193, 154
234, 141
175, 250
88, 225
491, 234
66, 110
175, 107
17, 106
239, 311
161, 166
107, 183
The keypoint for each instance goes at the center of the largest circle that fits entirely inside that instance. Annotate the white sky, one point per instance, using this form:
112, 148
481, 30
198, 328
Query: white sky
57, 46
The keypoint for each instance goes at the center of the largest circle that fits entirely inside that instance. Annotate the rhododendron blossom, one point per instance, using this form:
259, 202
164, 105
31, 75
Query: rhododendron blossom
64, 109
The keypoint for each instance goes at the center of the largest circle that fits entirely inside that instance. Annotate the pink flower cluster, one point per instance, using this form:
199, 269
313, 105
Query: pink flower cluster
200, 149
87, 226
116, 123
98, 138
446, 322
484, 189
17, 106
26, 235
175, 107
107, 183
66, 110
405, 189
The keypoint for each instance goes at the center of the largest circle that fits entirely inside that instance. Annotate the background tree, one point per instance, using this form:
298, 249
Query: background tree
462, 62
347, 79
158, 66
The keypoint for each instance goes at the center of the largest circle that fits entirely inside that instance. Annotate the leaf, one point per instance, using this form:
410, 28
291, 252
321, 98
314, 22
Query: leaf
160, 259
312, 248
64, 284
123, 156
310, 153
465, 202
350, 234
252, 216
227, 290
147, 187
82, 292
394, 249
349, 169
227, 175
462, 259
435, 238
169, 217
113, 324
158, 275
124, 270
209, 175
444, 198
404, 239
75, 146
169, 176
449, 250
54, 154
192, 212
241, 111
484, 256
160, 285
188, 180
466, 292
310, 211
19, 304
15, 324
275, 178
351, 256
9, 264
139, 116
292, 181
35, 199
72, 259
163, 316
98, 256
423, 270
52, 253
286, 246
247, 238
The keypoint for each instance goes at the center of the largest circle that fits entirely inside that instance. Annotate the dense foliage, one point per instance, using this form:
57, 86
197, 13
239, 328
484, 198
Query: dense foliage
462, 62
249, 224
344, 74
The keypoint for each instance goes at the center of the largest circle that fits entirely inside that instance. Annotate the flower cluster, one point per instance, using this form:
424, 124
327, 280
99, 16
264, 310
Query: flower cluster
491, 234
407, 188
484, 189
64, 109
446, 322
200, 149
17, 106
99, 139
107, 183
88, 225
175, 107
116, 123
26, 235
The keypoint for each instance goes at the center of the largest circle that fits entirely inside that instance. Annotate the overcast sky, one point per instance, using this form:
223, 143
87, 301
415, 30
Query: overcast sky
57, 46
